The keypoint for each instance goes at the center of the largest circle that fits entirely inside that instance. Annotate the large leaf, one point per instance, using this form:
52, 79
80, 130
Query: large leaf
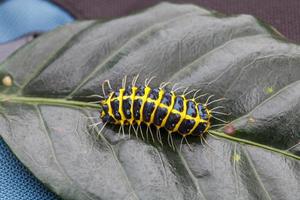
45, 115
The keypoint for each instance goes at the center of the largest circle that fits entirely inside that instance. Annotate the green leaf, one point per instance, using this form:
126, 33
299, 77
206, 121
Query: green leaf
46, 117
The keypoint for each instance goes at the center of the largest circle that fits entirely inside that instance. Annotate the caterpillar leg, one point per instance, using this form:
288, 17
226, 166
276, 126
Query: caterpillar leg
95, 124
220, 113
147, 135
212, 135
147, 82
95, 101
103, 86
226, 122
129, 130
187, 93
158, 135
206, 143
134, 80
218, 107
209, 146
203, 141
100, 131
214, 101
91, 118
124, 81
123, 132
119, 132
187, 142
174, 89
195, 94
184, 91
218, 125
164, 84
214, 113
208, 98
151, 133
135, 131
121, 128
170, 141
95, 95
202, 95
181, 143
142, 134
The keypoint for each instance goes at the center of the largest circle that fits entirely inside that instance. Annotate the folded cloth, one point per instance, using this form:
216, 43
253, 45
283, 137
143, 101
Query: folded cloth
19, 17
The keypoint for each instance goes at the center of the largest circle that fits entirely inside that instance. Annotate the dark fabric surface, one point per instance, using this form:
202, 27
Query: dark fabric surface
284, 15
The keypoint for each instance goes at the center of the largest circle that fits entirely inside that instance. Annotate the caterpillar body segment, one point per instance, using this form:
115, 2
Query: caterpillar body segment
156, 107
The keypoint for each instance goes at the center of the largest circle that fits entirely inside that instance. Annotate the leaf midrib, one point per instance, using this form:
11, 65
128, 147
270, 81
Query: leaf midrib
80, 104
248, 142
47, 101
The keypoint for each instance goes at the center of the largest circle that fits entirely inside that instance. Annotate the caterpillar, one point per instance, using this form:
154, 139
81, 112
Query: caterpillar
138, 104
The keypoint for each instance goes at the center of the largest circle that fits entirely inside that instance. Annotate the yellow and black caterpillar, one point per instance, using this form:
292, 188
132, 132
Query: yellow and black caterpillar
156, 107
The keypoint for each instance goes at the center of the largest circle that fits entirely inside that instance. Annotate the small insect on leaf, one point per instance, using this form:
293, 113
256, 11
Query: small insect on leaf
7, 81
136, 105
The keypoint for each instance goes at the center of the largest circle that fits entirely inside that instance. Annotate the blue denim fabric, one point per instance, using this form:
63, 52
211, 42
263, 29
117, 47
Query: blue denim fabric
16, 182
21, 17
17, 18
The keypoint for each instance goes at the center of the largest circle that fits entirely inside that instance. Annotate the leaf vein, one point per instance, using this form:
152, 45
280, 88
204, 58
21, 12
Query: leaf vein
256, 174
194, 179
47, 131
51, 58
110, 146
117, 51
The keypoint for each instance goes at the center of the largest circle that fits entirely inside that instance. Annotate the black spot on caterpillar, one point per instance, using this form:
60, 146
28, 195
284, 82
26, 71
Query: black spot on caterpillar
137, 104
